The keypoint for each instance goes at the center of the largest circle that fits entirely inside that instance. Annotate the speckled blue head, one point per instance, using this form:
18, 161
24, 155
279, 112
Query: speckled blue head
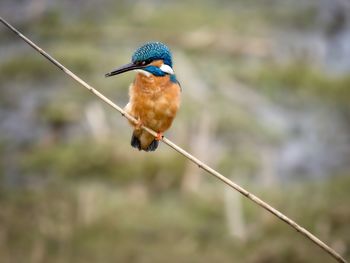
142, 60
153, 51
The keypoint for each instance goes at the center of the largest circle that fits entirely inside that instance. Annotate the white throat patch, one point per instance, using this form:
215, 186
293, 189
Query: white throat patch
143, 72
167, 69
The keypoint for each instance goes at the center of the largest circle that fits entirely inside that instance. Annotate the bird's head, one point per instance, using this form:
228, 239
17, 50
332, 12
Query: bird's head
152, 58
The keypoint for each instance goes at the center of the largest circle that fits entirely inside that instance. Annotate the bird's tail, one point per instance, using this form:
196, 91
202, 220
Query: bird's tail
143, 140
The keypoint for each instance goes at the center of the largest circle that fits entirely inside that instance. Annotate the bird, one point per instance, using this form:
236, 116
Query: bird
154, 95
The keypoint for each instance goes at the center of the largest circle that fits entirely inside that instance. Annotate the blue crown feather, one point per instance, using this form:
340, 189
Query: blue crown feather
153, 50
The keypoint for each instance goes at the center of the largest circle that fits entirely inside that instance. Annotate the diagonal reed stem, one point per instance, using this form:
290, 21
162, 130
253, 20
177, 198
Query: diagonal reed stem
199, 163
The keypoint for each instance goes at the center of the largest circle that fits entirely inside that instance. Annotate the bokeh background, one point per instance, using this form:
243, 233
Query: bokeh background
266, 101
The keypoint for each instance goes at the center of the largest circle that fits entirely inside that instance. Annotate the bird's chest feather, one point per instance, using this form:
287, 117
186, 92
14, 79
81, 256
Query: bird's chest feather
154, 101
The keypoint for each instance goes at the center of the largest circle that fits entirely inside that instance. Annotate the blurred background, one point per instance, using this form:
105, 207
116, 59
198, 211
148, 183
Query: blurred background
266, 101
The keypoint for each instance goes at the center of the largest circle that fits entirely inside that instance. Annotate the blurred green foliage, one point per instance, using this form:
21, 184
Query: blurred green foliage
68, 196
300, 79
25, 67
47, 225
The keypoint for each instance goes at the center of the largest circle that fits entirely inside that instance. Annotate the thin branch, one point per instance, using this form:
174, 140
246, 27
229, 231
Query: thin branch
199, 163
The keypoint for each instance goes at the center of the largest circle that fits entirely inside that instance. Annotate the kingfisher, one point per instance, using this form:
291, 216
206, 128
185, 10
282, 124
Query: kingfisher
154, 95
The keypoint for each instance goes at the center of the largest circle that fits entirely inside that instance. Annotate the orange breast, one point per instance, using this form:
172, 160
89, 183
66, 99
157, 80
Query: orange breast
154, 101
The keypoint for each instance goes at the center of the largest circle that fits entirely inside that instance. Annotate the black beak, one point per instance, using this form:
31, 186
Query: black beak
125, 68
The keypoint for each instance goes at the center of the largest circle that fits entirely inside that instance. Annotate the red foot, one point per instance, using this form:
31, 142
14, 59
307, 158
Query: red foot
159, 136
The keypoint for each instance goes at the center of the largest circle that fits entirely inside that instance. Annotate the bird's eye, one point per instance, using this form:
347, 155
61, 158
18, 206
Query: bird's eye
144, 62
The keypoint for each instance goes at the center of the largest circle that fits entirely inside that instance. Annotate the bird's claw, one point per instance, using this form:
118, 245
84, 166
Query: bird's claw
159, 136
138, 124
